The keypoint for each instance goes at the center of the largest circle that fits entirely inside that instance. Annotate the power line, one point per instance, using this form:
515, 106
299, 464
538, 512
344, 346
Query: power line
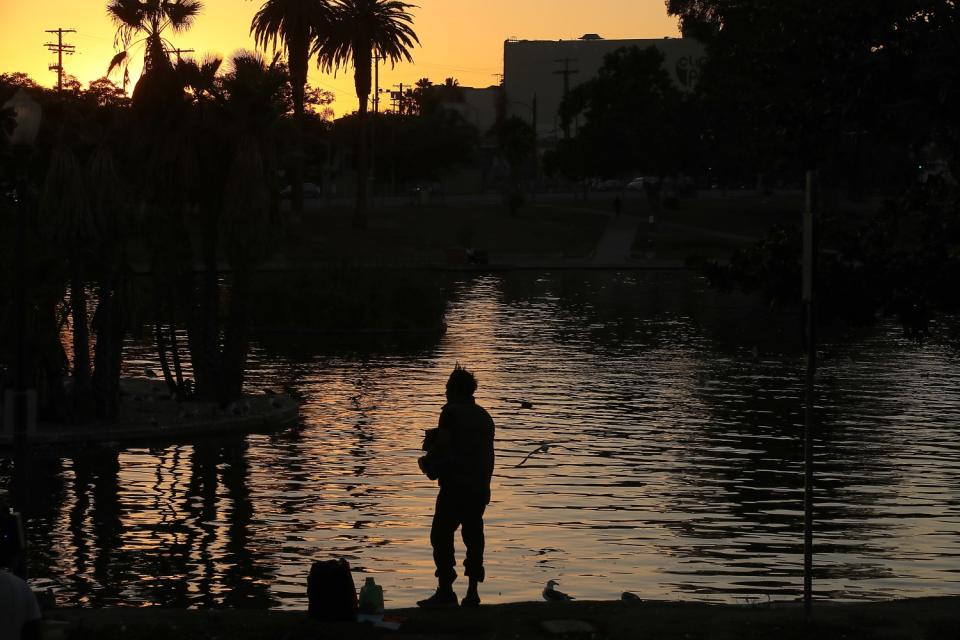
59, 48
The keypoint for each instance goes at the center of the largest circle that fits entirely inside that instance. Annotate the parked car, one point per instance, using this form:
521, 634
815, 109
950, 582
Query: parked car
607, 185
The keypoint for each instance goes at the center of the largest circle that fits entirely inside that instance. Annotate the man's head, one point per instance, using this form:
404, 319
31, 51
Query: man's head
461, 383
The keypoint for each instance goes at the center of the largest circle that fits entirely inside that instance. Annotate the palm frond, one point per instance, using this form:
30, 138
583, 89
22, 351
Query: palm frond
63, 207
117, 61
360, 27
105, 193
180, 14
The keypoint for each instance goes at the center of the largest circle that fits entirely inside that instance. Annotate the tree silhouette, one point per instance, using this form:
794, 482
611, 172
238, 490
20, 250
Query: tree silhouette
69, 225
199, 77
143, 22
358, 30
293, 26
634, 118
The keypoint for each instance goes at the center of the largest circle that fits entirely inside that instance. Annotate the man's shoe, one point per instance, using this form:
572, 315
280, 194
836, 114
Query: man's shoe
440, 600
470, 600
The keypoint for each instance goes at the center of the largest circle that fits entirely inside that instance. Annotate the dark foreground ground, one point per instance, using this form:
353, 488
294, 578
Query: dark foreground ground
927, 618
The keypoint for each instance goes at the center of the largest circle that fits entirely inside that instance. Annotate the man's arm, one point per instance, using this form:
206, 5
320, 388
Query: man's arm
437, 457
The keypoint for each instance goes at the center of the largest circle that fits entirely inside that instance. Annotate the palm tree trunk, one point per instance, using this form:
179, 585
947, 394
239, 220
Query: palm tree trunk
82, 391
203, 319
108, 355
296, 169
162, 354
360, 213
175, 356
236, 339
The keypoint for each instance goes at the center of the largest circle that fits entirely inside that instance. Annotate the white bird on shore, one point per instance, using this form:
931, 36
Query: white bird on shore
552, 595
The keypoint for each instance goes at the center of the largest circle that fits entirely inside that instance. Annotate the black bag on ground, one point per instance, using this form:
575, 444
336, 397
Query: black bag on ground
331, 592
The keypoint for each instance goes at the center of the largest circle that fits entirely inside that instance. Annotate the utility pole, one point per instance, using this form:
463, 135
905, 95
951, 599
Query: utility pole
376, 80
398, 99
59, 48
178, 52
566, 72
377, 57
536, 144
810, 340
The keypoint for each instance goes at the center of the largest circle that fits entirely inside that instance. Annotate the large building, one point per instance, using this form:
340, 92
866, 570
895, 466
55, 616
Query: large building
479, 107
546, 68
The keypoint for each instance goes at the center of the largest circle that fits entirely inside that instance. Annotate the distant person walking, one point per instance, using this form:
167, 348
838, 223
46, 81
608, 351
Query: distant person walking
460, 455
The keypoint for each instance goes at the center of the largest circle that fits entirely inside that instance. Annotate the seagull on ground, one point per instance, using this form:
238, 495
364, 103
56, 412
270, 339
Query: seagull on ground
552, 595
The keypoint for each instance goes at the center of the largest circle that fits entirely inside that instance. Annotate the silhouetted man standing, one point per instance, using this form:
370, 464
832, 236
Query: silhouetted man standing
460, 455
19, 613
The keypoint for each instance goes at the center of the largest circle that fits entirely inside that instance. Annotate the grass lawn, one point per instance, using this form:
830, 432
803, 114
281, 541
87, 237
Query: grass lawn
429, 234
714, 226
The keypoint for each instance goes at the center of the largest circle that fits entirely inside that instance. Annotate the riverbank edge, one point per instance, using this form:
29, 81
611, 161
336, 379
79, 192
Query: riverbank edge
155, 416
919, 618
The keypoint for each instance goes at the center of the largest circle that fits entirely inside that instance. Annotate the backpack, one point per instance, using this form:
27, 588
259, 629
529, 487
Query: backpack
331, 592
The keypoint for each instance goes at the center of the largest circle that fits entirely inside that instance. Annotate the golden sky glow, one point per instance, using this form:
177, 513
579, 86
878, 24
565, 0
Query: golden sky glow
459, 38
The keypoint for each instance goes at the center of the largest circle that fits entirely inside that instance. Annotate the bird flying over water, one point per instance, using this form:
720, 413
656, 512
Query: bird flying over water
552, 595
543, 448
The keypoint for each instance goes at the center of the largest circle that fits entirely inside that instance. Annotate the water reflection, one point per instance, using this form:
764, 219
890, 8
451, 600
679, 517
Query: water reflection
675, 471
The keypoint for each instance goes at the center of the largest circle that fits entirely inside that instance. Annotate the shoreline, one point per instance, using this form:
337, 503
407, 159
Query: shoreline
916, 618
149, 414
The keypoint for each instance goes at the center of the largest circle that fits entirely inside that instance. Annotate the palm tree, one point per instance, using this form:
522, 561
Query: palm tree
358, 30
144, 22
200, 77
293, 26
74, 236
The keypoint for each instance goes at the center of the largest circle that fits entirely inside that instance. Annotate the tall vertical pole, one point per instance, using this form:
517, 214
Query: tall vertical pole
376, 82
566, 72
536, 144
398, 99
376, 117
809, 281
60, 49
59, 60
21, 415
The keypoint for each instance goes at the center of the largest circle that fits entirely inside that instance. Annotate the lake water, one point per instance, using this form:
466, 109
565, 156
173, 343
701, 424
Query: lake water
674, 472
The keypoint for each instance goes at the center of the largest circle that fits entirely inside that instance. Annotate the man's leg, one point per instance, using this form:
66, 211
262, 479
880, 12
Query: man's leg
472, 532
445, 522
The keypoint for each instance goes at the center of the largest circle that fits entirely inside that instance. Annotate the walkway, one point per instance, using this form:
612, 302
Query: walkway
616, 243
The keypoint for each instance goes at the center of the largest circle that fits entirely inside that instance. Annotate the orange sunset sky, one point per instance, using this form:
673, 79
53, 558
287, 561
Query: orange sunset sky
459, 38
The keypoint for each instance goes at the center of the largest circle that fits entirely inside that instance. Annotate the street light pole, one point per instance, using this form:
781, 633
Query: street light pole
809, 282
